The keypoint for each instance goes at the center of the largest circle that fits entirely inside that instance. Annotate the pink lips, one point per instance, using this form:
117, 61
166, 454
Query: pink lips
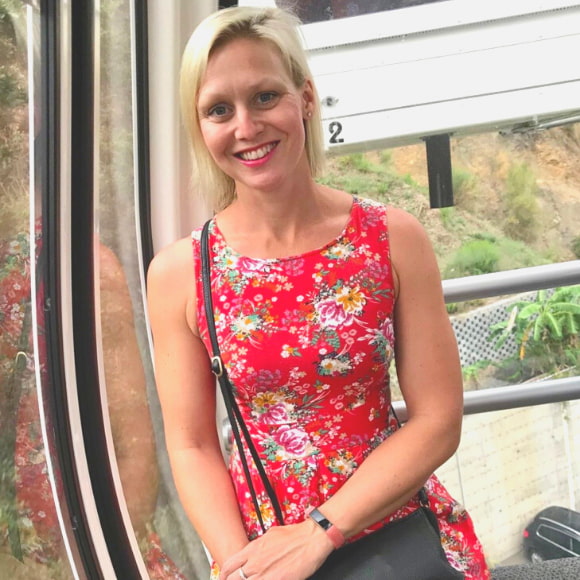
260, 160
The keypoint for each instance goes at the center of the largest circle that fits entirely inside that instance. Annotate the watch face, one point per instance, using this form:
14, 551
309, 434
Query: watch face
320, 519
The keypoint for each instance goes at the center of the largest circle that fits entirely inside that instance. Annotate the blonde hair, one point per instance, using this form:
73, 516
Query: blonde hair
268, 24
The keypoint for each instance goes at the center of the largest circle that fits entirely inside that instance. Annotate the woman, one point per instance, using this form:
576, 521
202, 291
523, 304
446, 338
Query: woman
311, 286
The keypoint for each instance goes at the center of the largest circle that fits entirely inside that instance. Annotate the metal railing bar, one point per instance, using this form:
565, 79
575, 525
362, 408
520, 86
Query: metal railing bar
512, 281
513, 396
487, 400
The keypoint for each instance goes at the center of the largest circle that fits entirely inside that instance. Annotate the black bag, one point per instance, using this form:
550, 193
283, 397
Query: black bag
406, 549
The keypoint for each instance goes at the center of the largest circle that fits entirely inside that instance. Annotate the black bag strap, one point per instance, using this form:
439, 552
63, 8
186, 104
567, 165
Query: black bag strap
234, 414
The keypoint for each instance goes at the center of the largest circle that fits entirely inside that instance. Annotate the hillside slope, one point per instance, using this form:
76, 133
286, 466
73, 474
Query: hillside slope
517, 196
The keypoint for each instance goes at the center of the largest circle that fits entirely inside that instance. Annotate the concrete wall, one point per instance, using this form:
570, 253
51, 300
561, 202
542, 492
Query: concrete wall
511, 464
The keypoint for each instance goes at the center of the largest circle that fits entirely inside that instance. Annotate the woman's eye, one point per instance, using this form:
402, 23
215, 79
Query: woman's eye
218, 111
266, 98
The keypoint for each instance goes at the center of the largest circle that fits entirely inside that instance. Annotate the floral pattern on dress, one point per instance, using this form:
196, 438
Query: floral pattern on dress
307, 342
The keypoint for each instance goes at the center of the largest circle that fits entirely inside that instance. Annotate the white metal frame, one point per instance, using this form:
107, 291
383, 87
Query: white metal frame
70, 375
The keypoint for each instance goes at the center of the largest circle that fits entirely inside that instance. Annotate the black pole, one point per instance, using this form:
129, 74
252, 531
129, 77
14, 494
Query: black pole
47, 155
438, 150
142, 113
83, 291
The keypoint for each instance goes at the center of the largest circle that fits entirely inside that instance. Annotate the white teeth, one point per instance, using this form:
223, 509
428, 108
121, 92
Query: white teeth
257, 153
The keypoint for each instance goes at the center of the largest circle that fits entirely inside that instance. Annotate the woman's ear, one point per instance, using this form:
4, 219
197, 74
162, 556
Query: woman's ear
308, 99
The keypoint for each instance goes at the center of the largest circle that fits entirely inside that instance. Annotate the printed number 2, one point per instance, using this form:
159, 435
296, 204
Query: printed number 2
335, 129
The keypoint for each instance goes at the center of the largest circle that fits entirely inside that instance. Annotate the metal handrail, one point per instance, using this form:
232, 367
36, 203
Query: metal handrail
512, 281
492, 399
513, 396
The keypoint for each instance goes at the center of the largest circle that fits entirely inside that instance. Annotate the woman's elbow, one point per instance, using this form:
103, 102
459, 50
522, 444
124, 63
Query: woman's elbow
452, 434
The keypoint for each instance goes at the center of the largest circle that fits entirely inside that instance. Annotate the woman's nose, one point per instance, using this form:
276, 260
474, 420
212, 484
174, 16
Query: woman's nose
248, 124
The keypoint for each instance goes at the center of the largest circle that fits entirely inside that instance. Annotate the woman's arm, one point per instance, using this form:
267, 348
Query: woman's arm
430, 379
187, 394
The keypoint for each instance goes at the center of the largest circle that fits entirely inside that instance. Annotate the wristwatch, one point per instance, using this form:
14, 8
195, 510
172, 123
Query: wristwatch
335, 535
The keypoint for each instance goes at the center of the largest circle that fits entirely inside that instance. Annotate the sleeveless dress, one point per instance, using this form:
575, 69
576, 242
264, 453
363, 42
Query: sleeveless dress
307, 342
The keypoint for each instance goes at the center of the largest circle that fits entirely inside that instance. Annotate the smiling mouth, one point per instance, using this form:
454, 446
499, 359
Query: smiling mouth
256, 154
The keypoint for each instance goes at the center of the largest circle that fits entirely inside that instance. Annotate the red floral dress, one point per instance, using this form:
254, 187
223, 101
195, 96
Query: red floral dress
307, 342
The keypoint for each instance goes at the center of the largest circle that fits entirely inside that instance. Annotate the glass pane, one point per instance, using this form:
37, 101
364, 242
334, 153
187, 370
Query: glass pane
509, 466
316, 10
31, 544
166, 539
553, 535
517, 204
516, 197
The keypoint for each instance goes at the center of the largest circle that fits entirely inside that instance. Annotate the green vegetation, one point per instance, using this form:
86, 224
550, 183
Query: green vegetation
468, 241
575, 247
522, 218
547, 332
478, 256
360, 175
464, 184
473, 374
13, 121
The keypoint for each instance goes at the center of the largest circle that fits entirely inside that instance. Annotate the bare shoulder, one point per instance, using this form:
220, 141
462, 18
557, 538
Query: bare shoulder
172, 264
411, 250
404, 227
171, 281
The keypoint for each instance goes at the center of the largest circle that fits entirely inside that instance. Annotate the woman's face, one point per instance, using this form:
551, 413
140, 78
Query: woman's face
252, 116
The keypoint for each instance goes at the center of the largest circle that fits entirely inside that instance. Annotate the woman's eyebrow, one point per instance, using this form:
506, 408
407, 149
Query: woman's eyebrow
211, 94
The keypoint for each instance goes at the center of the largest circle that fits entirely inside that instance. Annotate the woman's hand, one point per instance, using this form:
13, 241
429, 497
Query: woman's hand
292, 552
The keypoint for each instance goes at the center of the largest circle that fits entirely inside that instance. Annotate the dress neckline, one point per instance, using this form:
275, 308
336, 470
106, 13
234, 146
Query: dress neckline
218, 233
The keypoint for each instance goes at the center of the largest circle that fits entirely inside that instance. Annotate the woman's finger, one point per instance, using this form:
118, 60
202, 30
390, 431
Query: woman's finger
231, 568
238, 574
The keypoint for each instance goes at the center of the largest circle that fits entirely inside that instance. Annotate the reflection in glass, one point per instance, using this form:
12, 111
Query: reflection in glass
132, 404
31, 545
318, 10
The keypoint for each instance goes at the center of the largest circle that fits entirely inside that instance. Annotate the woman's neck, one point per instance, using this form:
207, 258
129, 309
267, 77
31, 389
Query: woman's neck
269, 225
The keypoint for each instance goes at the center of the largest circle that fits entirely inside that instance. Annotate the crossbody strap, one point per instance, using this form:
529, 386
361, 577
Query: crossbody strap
234, 414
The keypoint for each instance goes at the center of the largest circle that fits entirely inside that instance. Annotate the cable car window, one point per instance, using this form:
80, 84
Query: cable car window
31, 544
166, 544
516, 206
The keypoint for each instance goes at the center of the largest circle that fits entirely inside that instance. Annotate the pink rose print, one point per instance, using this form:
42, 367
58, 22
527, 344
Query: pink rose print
264, 379
294, 267
276, 415
293, 440
331, 313
388, 330
247, 266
